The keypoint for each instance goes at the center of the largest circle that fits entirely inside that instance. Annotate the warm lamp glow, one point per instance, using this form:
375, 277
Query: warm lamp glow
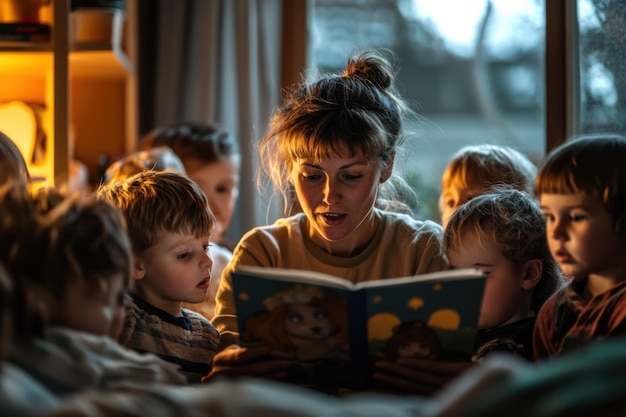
18, 122
24, 76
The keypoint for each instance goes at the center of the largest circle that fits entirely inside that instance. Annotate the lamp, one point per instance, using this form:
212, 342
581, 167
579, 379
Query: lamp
18, 122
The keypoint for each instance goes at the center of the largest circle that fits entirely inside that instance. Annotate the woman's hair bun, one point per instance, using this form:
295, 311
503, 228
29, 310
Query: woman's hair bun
370, 66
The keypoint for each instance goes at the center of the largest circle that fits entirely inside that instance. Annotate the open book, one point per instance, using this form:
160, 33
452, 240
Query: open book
332, 330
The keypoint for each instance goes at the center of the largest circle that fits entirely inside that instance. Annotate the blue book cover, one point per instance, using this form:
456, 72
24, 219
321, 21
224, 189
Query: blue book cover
332, 330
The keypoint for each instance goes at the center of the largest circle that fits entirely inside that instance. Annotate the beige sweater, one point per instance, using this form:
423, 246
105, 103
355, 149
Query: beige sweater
402, 246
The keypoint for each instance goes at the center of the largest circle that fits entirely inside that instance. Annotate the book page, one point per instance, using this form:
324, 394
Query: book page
297, 275
331, 330
302, 322
448, 275
430, 318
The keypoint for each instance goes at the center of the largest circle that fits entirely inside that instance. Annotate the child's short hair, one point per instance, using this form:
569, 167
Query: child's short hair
73, 238
514, 221
6, 312
160, 158
593, 165
12, 164
190, 140
490, 165
15, 217
17, 228
159, 201
78, 239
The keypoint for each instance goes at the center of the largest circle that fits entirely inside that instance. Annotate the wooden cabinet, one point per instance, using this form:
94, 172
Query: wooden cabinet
84, 93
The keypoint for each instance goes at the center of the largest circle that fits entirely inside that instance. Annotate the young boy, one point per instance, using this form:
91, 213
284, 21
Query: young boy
65, 305
169, 224
582, 190
211, 158
502, 233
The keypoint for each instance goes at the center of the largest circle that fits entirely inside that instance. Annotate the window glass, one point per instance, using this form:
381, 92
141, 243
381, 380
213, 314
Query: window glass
473, 69
602, 61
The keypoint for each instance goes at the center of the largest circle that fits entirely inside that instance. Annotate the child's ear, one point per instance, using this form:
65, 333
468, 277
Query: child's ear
532, 274
138, 270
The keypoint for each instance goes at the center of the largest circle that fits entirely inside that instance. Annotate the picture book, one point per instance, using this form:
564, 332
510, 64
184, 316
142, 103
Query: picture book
332, 330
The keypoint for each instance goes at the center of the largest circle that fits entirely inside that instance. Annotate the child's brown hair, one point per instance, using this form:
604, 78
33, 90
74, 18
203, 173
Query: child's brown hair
160, 158
72, 239
77, 239
158, 201
12, 164
191, 140
592, 165
514, 221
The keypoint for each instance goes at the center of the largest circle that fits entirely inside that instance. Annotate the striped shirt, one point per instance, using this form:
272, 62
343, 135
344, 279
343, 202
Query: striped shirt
189, 341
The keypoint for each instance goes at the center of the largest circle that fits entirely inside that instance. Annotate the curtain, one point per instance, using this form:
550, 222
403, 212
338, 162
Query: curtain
220, 61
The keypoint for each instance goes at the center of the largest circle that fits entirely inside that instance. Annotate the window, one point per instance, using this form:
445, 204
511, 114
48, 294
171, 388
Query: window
476, 75
600, 89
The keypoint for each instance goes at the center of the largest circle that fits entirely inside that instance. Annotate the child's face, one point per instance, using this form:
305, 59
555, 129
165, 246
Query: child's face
454, 196
220, 183
93, 307
504, 300
581, 237
176, 269
337, 196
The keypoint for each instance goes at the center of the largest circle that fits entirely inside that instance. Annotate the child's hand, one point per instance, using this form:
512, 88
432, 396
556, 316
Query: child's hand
416, 376
255, 361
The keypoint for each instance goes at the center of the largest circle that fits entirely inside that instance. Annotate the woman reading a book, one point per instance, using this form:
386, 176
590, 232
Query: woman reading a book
332, 146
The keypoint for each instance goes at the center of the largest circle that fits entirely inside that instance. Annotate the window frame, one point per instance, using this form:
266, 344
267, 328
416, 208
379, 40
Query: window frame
561, 72
561, 68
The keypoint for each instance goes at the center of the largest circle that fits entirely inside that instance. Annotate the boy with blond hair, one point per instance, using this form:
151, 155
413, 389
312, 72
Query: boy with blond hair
169, 224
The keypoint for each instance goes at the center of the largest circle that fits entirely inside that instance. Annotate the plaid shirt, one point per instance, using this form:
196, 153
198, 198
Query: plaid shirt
189, 341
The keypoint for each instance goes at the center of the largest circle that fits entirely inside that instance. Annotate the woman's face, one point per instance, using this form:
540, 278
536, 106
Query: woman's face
337, 195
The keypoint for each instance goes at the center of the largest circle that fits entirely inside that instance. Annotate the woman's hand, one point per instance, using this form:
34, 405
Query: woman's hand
416, 376
255, 361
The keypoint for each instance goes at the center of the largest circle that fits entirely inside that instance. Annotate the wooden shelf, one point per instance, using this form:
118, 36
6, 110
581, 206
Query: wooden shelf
24, 75
17, 46
91, 63
87, 90
25, 62
99, 64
